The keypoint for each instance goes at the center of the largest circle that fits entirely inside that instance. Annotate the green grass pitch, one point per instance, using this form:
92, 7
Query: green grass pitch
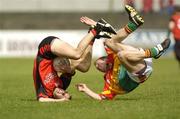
157, 98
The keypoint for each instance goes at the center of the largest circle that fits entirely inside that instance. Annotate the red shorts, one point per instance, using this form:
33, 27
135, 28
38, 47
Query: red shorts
45, 78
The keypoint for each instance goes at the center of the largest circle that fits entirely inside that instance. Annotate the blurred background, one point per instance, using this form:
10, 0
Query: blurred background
24, 23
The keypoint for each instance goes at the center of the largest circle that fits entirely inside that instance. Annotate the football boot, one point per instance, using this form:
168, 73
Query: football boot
162, 47
134, 16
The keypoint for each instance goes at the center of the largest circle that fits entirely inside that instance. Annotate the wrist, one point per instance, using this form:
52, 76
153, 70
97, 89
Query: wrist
93, 30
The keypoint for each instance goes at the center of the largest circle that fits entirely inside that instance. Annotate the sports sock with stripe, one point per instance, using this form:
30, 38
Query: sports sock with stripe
152, 52
130, 27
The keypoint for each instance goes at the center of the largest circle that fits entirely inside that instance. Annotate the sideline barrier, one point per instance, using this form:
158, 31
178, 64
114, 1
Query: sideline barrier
24, 43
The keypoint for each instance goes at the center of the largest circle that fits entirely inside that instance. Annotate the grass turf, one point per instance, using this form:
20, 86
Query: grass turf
158, 97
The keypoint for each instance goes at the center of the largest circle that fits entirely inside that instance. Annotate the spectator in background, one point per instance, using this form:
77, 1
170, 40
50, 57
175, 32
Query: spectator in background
147, 6
174, 27
170, 6
129, 2
166, 6
162, 5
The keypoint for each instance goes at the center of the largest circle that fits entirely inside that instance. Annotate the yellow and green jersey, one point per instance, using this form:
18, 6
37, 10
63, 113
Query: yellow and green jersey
117, 81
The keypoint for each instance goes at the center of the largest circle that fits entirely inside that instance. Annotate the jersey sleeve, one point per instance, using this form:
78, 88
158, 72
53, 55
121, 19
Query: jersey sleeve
66, 79
107, 95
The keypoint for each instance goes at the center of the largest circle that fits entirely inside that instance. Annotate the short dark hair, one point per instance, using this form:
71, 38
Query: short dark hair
177, 8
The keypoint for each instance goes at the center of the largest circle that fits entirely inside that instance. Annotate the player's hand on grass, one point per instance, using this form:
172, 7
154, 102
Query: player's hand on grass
60, 94
81, 87
88, 21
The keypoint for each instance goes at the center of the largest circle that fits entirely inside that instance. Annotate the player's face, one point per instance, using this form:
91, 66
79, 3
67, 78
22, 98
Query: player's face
100, 64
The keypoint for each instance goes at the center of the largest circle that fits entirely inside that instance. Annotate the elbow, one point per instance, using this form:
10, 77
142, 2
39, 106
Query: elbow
41, 100
84, 70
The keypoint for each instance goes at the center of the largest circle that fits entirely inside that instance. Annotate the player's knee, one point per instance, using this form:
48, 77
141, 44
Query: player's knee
122, 55
76, 55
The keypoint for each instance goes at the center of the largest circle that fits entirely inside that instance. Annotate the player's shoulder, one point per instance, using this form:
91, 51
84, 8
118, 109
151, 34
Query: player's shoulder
175, 16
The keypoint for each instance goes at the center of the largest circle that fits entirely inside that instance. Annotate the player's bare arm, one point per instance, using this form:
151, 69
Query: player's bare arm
84, 63
83, 88
52, 100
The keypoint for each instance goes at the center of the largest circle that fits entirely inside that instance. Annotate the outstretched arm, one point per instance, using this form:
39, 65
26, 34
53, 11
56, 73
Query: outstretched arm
83, 88
52, 100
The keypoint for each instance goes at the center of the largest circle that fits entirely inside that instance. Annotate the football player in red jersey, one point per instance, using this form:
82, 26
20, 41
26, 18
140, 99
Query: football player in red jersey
49, 86
174, 27
125, 67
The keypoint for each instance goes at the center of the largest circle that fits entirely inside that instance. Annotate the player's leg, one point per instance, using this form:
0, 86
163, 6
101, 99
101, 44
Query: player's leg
61, 48
158, 50
135, 21
136, 54
132, 58
138, 69
154, 52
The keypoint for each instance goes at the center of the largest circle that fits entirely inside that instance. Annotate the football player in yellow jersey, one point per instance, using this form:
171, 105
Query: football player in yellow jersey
125, 67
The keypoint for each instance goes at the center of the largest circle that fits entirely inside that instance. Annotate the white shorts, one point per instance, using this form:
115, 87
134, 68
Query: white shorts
140, 78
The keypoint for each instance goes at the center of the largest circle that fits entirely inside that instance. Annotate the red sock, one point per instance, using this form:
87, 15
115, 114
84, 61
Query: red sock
94, 32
